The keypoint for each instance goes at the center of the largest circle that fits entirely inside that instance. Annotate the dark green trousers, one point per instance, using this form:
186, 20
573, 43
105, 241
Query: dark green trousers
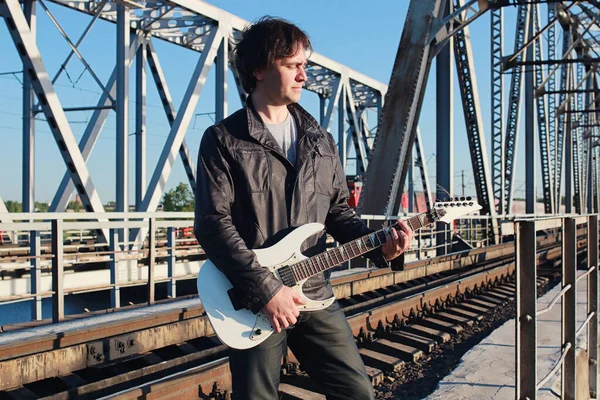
323, 343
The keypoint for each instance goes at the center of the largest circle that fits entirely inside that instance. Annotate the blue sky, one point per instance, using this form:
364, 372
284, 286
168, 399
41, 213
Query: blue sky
363, 37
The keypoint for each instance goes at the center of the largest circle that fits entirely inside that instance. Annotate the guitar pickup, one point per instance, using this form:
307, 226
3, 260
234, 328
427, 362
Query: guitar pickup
287, 276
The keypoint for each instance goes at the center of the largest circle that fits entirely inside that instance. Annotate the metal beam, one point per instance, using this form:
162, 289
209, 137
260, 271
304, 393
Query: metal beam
514, 109
122, 142
90, 136
530, 194
332, 105
222, 67
28, 187
542, 115
140, 125
51, 106
444, 132
362, 155
497, 104
167, 102
422, 164
563, 123
550, 80
467, 81
396, 133
182, 120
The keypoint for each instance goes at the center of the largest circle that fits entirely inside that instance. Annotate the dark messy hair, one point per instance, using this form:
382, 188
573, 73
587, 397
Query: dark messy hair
264, 41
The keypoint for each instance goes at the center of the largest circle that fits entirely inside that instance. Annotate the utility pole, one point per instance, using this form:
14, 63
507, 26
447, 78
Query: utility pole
463, 183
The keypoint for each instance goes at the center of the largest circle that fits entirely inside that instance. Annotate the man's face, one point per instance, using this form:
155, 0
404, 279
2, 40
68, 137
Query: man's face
282, 83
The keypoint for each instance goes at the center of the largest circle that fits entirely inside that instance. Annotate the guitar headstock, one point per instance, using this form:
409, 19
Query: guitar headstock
448, 210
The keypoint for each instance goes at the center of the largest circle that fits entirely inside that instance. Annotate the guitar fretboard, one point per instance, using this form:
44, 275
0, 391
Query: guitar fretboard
355, 248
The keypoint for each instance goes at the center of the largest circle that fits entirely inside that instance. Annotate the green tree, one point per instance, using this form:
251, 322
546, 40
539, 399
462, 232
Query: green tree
42, 207
13, 206
178, 199
75, 206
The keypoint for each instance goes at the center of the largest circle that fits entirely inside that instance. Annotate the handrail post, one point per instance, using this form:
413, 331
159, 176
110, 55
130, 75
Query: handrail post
115, 292
58, 299
592, 302
172, 285
36, 274
569, 302
526, 310
151, 259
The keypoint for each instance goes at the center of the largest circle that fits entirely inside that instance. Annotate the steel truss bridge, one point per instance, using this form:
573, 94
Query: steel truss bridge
554, 87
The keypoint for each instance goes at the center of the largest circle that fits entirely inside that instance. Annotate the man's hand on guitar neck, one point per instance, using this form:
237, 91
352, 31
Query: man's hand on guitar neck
282, 310
397, 241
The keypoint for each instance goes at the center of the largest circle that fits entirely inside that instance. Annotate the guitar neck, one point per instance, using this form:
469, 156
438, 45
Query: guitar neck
355, 248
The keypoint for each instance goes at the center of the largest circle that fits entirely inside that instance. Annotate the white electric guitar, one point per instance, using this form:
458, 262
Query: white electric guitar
242, 329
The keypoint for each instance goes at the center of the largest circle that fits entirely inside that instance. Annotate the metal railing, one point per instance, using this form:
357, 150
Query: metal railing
53, 245
527, 383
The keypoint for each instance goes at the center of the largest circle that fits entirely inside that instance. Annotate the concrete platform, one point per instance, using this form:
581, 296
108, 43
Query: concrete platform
487, 371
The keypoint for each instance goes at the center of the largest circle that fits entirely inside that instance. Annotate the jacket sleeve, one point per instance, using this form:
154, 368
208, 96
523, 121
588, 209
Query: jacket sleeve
344, 225
216, 233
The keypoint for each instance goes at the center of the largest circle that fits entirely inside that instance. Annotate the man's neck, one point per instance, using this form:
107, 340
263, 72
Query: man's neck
270, 114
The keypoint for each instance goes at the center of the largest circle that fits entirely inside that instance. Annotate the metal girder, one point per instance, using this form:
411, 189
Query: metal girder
334, 98
568, 143
122, 110
90, 136
513, 60
167, 102
467, 82
455, 21
178, 129
497, 104
530, 154
73, 47
562, 123
187, 23
396, 134
51, 106
362, 152
444, 132
140, 124
514, 109
551, 82
28, 187
576, 149
343, 141
544, 139
222, 66
422, 164
590, 159
580, 81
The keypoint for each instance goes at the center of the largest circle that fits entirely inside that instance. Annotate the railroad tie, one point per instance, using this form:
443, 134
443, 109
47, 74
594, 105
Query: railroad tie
290, 392
384, 362
461, 312
431, 333
402, 351
440, 324
410, 339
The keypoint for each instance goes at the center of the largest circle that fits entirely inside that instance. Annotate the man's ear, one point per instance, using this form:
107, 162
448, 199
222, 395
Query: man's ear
259, 74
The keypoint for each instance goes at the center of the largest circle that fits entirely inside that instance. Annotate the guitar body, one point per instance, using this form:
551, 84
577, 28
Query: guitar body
242, 329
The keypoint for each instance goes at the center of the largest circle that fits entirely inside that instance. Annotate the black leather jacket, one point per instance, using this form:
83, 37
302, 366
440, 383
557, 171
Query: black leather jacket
248, 195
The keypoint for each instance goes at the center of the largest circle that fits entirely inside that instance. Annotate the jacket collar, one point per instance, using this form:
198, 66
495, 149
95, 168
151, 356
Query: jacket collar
308, 127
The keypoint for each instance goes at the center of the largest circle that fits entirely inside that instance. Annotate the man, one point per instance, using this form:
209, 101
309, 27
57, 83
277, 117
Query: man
262, 172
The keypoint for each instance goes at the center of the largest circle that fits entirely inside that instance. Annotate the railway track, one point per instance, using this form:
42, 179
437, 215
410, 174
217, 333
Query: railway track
396, 317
